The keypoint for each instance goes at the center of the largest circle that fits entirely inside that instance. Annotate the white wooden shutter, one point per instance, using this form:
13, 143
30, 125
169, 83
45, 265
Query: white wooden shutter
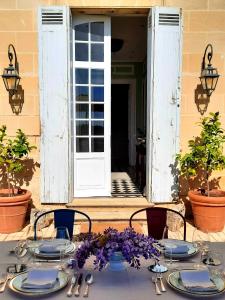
163, 101
54, 28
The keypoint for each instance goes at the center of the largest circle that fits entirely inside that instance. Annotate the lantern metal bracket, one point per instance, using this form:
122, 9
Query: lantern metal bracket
12, 55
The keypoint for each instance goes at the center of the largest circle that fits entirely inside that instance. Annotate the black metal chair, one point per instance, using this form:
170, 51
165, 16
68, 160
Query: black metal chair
63, 217
157, 221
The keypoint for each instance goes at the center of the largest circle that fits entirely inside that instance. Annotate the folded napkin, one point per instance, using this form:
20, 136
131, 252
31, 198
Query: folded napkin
197, 280
51, 246
178, 249
40, 279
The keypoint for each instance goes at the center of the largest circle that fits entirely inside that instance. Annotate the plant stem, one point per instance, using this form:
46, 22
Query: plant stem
8, 181
207, 182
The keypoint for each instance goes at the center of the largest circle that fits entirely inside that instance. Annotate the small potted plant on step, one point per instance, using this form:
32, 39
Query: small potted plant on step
205, 156
13, 200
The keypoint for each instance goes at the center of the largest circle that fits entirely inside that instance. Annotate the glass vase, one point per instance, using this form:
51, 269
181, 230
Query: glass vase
117, 262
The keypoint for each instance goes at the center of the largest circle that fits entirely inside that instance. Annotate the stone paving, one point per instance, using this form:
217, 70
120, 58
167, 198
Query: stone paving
47, 232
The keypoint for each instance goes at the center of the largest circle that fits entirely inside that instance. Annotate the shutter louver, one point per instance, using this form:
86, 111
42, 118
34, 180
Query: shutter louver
169, 19
49, 17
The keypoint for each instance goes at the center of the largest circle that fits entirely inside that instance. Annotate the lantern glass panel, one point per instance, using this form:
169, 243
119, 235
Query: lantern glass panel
209, 83
214, 82
203, 83
12, 83
6, 83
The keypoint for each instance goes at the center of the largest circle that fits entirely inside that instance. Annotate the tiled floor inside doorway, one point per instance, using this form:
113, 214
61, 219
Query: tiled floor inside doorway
124, 186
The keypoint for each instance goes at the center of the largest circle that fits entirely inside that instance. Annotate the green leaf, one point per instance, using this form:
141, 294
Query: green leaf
206, 150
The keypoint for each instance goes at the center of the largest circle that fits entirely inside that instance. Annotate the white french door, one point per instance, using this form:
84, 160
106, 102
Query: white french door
91, 105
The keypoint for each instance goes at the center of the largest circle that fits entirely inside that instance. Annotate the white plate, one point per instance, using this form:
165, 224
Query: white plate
175, 282
192, 250
34, 248
16, 282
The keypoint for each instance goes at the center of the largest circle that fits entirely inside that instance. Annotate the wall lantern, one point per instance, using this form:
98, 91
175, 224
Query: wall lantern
209, 75
10, 75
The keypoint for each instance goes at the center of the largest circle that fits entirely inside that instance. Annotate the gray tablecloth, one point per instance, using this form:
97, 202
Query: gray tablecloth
130, 284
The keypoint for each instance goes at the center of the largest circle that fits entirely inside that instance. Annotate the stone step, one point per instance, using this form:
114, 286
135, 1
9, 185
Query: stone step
111, 215
109, 208
101, 202
103, 209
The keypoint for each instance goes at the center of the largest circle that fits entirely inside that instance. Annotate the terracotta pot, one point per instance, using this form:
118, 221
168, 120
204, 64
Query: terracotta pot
13, 211
209, 212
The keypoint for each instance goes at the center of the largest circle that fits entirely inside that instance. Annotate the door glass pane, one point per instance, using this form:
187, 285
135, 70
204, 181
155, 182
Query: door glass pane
82, 93
97, 127
82, 76
97, 31
82, 128
97, 52
97, 76
81, 32
82, 144
81, 51
97, 111
97, 94
97, 145
82, 111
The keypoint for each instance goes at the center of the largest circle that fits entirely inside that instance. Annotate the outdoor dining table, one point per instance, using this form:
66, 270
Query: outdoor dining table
131, 284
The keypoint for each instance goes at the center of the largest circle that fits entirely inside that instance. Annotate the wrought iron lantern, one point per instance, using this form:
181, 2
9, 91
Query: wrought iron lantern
209, 75
10, 74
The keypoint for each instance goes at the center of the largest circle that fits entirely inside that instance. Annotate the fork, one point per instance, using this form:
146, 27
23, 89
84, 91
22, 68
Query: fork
157, 290
8, 277
72, 284
160, 277
2, 278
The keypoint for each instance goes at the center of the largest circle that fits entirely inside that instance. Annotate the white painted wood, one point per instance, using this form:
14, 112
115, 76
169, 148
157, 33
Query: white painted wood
92, 170
131, 117
163, 101
53, 38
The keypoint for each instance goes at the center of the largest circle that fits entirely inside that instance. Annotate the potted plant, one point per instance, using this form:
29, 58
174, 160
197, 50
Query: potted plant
13, 200
205, 156
114, 247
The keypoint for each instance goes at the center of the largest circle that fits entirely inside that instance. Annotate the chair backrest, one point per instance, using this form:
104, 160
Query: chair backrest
157, 221
63, 217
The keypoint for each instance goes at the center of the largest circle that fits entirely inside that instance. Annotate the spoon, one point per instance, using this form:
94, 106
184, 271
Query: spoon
157, 290
159, 276
88, 280
72, 284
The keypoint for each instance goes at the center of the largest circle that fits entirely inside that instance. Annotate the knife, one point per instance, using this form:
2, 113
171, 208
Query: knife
79, 282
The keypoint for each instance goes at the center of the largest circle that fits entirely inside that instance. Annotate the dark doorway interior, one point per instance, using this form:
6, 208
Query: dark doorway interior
119, 128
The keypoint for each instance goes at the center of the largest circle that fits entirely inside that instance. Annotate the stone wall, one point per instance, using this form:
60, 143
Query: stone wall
204, 22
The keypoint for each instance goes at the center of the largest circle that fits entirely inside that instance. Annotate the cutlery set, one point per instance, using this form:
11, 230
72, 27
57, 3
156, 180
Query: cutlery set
155, 280
76, 283
4, 282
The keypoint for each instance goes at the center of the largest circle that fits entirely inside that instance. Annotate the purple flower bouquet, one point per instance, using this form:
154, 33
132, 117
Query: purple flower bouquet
132, 245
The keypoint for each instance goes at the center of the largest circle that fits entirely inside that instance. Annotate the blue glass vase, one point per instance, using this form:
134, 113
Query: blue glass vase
117, 262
